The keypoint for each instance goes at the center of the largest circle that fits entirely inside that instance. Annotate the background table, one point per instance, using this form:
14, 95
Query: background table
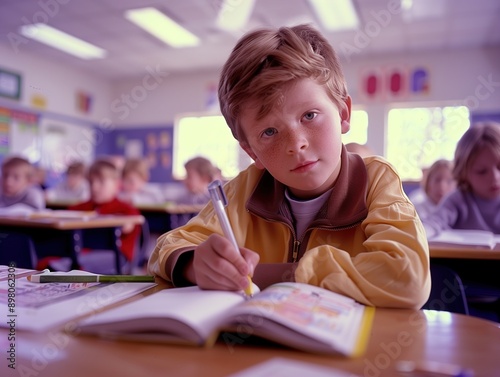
61, 236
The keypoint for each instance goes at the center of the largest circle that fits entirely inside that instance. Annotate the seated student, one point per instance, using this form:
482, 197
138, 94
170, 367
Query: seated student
74, 187
104, 179
135, 188
307, 210
475, 204
17, 192
199, 173
437, 182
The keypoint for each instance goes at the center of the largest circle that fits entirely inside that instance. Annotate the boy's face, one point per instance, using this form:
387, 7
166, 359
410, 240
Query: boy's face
15, 180
298, 142
194, 182
74, 180
104, 188
440, 184
132, 182
483, 174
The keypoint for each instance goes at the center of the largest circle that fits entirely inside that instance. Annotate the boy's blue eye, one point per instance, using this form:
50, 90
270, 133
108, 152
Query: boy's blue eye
269, 132
310, 116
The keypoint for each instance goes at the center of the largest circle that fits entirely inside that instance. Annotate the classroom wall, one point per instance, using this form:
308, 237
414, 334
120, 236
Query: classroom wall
153, 99
468, 77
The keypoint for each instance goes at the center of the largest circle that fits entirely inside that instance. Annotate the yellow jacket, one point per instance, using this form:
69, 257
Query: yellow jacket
367, 242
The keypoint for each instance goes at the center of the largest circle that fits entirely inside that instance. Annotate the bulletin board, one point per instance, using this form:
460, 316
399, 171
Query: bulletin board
152, 143
19, 134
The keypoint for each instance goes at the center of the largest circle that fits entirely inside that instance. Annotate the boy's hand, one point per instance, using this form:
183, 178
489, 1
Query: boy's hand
216, 265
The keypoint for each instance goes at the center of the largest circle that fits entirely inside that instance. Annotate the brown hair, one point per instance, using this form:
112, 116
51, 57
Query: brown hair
138, 166
103, 168
203, 167
434, 168
265, 60
76, 168
18, 162
477, 137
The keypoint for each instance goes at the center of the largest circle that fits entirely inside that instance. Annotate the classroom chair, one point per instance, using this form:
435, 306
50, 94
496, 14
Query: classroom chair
17, 248
447, 292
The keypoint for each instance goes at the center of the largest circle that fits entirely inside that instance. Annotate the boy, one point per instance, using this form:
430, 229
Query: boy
104, 181
306, 210
135, 189
199, 173
17, 190
75, 186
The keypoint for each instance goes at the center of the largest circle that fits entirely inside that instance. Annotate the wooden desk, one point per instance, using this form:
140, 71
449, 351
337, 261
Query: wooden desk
396, 335
464, 252
62, 236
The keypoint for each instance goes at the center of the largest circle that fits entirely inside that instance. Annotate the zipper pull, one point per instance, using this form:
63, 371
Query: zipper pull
295, 253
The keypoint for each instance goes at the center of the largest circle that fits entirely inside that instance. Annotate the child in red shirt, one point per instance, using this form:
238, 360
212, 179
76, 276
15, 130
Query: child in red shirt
104, 179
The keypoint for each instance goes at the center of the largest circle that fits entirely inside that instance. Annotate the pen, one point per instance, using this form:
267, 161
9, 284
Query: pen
219, 201
50, 278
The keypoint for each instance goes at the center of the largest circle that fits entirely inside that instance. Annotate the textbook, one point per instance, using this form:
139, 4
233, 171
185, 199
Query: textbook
40, 307
481, 239
296, 315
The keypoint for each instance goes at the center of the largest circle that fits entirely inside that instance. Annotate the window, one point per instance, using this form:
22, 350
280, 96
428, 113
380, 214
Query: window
359, 128
210, 137
416, 137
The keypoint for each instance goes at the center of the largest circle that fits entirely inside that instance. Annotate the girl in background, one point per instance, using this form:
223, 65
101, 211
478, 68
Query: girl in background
437, 182
475, 204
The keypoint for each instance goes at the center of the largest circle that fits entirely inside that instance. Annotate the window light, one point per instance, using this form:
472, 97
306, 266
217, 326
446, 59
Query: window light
336, 15
65, 42
162, 27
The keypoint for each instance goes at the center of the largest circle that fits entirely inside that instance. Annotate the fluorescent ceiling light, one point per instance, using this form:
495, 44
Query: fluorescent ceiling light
336, 15
65, 42
162, 27
234, 15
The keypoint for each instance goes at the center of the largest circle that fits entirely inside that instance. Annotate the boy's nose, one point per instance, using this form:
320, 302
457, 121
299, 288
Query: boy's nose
296, 141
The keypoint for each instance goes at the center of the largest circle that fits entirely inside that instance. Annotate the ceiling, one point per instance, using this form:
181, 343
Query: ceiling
429, 25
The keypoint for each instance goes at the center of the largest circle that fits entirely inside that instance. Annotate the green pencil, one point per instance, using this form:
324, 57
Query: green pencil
50, 278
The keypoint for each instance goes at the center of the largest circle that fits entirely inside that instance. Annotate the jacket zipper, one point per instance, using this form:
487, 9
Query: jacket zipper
295, 252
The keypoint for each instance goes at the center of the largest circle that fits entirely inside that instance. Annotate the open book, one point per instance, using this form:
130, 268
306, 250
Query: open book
297, 315
482, 239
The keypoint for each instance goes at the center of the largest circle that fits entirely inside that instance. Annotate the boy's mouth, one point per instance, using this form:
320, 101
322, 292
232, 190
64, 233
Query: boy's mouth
303, 166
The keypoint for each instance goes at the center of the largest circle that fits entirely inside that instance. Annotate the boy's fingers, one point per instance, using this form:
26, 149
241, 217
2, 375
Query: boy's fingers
252, 259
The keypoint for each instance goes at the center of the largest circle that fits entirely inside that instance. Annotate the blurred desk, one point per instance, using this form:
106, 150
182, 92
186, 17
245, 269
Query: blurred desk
461, 252
62, 235
162, 218
396, 335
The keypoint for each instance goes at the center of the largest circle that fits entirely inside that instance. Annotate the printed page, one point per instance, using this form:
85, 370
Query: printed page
322, 315
465, 237
201, 310
40, 306
281, 367
7, 271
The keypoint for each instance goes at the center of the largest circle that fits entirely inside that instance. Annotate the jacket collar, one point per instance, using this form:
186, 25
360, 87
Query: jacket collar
346, 205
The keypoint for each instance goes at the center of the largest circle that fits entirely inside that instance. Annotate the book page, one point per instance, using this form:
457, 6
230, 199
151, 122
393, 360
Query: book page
310, 312
281, 367
40, 306
464, 237
201, 310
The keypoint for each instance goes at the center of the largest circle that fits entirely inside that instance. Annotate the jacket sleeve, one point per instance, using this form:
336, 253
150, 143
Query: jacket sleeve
171, 244
387, 262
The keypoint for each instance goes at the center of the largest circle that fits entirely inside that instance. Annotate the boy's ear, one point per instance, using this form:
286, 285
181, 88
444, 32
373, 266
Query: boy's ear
252, 155
345, 115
